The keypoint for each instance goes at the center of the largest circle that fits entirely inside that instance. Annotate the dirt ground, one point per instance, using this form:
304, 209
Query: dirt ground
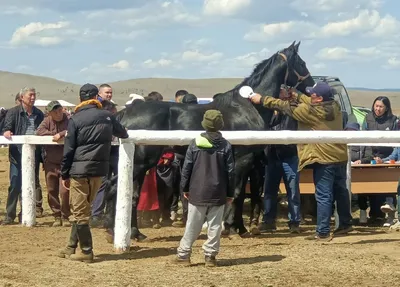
367, 257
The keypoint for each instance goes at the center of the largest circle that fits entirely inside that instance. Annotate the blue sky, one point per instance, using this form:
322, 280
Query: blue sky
103, 41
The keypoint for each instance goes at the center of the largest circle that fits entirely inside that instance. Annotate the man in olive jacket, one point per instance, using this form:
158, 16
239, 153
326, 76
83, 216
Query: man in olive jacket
328, 161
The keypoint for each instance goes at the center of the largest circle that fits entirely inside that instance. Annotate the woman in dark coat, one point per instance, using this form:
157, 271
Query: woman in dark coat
380, 118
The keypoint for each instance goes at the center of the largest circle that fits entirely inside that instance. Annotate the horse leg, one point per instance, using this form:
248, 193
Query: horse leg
234, 212
256, 188
135, 233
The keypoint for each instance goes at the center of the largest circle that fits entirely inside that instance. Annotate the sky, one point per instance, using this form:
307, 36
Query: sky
104, 41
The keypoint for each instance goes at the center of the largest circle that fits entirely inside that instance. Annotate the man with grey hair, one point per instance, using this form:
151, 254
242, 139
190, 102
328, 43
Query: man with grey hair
22, 119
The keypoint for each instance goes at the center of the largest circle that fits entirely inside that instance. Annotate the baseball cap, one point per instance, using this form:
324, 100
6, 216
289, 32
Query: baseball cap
321, 89
53, 105
352, 126
88, 91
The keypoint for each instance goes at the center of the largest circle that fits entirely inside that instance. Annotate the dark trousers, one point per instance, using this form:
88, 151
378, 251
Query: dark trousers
274, 171
165, 197
57, 194
330, 186
99, 202
15, 189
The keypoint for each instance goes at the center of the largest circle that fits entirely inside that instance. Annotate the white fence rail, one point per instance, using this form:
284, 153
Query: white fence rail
147, 137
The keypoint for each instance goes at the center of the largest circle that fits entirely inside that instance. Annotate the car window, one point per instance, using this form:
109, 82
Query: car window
345, 99
338, 98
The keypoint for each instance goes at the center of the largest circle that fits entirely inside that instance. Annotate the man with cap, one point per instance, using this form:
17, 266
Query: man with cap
55, 124
207, 182
85, 161
329, 161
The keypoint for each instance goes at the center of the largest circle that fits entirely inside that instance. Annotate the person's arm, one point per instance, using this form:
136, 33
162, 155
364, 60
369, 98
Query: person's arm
230, 165
366, 154
299, 112
187, 169
44, 128
393, 156
118, 130
69, 150
9, 122
304, 99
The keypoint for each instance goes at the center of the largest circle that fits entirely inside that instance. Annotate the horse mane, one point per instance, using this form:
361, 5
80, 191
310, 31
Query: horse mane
255, 79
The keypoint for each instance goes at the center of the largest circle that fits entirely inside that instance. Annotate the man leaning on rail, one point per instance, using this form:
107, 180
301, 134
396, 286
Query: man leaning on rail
86, 160
319, 112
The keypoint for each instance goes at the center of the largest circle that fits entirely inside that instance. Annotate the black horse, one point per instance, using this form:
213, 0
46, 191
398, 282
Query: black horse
284, 67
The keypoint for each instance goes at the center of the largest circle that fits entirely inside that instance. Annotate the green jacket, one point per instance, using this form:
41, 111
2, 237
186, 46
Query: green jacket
325, 116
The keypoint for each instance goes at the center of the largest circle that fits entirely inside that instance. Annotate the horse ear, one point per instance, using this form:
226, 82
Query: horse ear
296, 47
292, 45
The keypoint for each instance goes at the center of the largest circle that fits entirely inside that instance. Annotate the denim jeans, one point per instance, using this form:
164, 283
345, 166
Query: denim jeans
330, 186
274, 171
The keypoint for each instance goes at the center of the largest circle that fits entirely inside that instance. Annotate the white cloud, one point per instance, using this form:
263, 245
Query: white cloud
197, 56
393, 62
153, 14
129, 50
224, 7
282, 30
37, 33
154, 64
365, 21
368, 23
120, 65
250, 59
337, 5
196, 44
14, 10
335, 53
369, 52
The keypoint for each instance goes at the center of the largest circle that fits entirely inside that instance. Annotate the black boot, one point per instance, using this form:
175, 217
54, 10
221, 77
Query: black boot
135, 233
85, 243
72, 243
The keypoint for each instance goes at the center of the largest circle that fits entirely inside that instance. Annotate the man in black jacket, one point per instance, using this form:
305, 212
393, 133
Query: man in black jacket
207, 181
22, 119
86, 160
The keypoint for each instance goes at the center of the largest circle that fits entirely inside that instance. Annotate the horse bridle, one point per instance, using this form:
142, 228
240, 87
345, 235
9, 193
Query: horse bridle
300, 78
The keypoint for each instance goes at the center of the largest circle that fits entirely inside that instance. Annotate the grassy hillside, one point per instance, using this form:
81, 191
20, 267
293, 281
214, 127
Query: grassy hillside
52, 89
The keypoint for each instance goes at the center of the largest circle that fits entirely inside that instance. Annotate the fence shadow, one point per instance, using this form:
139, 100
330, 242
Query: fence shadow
135, 253
245, 261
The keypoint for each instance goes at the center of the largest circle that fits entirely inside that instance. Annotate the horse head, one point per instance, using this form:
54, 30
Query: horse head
297, 74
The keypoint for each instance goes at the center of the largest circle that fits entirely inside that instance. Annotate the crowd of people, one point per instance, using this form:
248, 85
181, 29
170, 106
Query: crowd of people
76, 173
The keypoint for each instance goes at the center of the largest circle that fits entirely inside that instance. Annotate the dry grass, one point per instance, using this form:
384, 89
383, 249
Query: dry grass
369, 257
50, 89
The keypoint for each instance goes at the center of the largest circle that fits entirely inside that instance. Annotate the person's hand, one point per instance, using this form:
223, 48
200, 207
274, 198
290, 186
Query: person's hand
255, 98
8, 134
357, 162
56, 137
66, 183
186, 195
229, 200
378, 160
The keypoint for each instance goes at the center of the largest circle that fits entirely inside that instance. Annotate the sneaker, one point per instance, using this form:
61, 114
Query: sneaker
65, 222
267, 227
363, 217
210, 261
343, 230
386, 208
319, 237
185, 261
174, 215
396, 226
390, 219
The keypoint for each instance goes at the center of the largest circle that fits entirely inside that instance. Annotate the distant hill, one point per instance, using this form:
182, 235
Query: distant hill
52, 89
